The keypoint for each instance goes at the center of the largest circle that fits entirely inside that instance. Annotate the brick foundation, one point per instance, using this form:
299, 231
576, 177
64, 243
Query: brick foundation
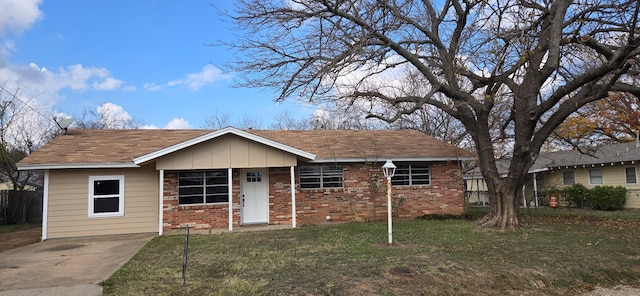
362, 198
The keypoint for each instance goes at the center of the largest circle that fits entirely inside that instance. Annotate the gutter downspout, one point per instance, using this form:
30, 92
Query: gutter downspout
45, 206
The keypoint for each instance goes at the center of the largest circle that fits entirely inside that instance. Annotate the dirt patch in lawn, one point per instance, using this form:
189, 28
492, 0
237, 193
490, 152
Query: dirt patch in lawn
12, 240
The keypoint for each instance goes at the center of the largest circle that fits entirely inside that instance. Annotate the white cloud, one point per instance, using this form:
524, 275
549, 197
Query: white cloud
129, 88
208, 75
18, 15
114, 116
178, 123
109, 83
113, 110
152, 87
194, 81
149, 126
76, 76
47, 83
6, 48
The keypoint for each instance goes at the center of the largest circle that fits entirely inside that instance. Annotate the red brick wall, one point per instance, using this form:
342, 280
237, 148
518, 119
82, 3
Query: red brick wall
362, 198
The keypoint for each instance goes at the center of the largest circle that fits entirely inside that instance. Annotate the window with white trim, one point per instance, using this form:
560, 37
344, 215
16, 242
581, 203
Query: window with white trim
106, 196
568, 178
595, 177
321, 176
630, 175
203, 187
412, 174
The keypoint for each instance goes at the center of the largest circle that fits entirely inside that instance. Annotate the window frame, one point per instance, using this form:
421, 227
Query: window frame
92, 196
326, 172
601, 176
635, 175
204, 187
412, 174
573, 176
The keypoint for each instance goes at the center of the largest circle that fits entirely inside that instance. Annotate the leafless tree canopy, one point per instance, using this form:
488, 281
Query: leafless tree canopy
90, 119
511, 71
23, 129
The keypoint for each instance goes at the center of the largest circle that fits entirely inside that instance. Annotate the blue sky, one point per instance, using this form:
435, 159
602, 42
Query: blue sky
145, 58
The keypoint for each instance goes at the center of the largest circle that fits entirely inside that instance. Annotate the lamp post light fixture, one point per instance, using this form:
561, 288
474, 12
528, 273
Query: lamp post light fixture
389, 169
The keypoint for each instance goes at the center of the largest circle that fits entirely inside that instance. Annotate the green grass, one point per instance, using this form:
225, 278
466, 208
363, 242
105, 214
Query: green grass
633, 215
475, 212
552, 255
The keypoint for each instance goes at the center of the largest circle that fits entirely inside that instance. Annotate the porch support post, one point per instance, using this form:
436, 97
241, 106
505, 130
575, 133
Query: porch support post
293, 196
479, 197
160, 201
535, 188
230, 186
45, 205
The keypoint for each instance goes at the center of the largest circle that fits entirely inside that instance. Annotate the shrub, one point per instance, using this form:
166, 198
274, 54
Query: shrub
608, 198
576, 195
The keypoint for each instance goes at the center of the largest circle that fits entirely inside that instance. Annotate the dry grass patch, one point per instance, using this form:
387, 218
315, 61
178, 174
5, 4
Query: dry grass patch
18, 235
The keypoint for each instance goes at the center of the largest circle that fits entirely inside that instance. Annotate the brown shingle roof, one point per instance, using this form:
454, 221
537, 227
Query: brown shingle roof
121, 146
382, 144
107, 146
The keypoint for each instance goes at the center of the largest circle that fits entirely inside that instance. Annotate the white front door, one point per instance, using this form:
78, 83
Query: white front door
255, 196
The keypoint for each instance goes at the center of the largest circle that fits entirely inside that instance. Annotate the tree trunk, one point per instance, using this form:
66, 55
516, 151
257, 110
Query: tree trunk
504, 208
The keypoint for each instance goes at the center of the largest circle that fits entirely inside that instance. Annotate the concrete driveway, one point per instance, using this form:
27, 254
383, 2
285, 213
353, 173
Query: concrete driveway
66, 266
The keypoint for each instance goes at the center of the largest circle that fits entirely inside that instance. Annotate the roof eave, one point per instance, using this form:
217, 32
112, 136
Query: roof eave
538, 170
216, 134
56, 166
398, 159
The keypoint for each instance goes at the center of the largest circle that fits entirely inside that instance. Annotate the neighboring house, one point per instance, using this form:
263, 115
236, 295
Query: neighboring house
9, 186
100, 182
611, 165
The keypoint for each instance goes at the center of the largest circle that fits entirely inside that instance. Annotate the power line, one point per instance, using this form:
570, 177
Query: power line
27, 105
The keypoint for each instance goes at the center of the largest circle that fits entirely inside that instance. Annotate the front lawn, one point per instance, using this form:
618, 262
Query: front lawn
552, 255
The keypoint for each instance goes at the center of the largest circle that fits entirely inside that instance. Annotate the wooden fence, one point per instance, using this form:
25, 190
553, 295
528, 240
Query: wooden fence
20, 206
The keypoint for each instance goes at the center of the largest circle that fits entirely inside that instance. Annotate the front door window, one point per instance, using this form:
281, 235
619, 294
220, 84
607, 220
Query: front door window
255, 176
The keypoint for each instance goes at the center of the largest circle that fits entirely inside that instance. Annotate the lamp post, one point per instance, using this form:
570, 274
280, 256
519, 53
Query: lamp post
389, 169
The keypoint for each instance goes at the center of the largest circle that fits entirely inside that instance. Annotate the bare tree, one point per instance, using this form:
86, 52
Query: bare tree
106, 116
436, 123
23, 129
249, 122
512, 70
221, 120
324, 118
218, 120
284, 121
